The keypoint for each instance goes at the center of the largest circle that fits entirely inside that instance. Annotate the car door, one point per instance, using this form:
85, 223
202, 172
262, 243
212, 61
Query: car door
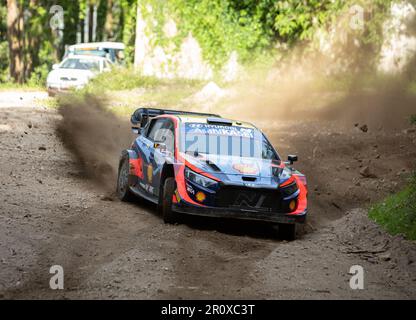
154, 144
163, 150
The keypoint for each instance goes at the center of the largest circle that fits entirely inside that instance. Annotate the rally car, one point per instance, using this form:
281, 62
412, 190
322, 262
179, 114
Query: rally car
206, 165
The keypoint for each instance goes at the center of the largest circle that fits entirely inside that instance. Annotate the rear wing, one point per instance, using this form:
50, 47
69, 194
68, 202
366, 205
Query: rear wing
141, 116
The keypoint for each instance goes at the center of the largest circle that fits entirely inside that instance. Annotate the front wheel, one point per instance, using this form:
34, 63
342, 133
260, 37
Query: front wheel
287, 231
123, 190
165, 202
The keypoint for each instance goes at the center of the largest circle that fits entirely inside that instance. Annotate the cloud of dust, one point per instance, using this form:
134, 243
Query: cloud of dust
342, 84
95, 136
308, 95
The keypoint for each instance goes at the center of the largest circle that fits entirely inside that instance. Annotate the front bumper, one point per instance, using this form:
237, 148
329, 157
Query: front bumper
57, 88
243, 214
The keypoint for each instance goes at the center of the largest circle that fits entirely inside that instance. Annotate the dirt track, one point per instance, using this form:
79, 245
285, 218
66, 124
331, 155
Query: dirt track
50, 214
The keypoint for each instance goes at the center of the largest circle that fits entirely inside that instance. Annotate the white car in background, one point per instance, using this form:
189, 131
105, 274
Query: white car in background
74, 72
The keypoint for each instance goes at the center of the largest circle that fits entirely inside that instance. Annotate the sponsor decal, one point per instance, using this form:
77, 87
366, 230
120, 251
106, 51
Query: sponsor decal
147, 187
212, 129
245, 168
150, 173
190, 189
200, 196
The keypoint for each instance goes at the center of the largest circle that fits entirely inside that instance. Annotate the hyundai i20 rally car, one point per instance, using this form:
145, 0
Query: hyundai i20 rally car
206, 165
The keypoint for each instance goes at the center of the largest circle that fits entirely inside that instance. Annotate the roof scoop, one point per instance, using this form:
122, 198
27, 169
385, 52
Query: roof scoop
221, 121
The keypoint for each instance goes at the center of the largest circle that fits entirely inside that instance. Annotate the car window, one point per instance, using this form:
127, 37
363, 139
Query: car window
227, 140
154, 126
80, 64
267, 151
162, 130
167, 135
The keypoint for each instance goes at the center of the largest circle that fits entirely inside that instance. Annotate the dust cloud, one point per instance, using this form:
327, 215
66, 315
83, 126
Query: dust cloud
95, 136
338, 81
306, 90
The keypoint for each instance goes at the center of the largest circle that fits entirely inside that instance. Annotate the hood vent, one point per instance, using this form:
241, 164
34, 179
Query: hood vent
251, 179
212, 165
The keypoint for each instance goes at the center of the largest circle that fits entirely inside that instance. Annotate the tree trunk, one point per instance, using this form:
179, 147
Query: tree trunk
33, 34
15, 39
108, 27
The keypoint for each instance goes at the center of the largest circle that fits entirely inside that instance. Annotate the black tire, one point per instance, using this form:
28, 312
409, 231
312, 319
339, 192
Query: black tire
123, 190
287, 231
165, 201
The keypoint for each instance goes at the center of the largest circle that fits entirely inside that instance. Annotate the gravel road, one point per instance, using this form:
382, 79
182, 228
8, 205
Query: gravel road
51, 214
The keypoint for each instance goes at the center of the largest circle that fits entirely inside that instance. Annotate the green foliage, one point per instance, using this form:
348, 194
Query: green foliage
220, 26
397, 214
253, 28
4, 59
297, 20
128, 78
143, 91
129, 9
413, 119
4, 50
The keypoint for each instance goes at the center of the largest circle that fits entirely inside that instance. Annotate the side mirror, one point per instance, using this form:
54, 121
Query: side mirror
292, 158
55, 66
136, 118
135, 130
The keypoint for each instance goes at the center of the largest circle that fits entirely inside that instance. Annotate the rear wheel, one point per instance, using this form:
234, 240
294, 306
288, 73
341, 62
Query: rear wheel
165, 201
123, 190
287, 231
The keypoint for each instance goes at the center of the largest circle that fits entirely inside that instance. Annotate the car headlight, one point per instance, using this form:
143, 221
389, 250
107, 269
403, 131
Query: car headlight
199, 179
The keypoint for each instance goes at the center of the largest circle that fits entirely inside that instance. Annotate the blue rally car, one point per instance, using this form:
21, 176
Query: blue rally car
206, 165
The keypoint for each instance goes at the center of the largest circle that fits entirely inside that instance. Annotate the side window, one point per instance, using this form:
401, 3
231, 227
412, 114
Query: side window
168, 133
267, 151
154, 127
162, 131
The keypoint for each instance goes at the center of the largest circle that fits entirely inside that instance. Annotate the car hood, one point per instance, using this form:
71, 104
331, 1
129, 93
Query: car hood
232, 165
70, 74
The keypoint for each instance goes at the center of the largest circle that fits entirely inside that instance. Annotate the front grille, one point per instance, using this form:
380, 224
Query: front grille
249, 198
68, 79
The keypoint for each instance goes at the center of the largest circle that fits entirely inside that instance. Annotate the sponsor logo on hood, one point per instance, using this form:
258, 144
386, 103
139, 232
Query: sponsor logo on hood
245, 168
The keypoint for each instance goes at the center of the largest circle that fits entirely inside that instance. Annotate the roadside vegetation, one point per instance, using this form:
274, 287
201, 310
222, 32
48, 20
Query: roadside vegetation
125, 90
24, 87
397, 213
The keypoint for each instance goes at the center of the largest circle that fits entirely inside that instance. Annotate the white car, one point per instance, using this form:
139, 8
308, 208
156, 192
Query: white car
75, 72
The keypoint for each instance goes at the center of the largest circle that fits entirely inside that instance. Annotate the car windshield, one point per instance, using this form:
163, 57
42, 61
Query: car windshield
212, 139
81, 64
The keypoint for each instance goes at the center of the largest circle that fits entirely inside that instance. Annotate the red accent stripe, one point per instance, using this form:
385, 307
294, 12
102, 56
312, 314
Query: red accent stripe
302, 199
136, 167
181, 185
288, 181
